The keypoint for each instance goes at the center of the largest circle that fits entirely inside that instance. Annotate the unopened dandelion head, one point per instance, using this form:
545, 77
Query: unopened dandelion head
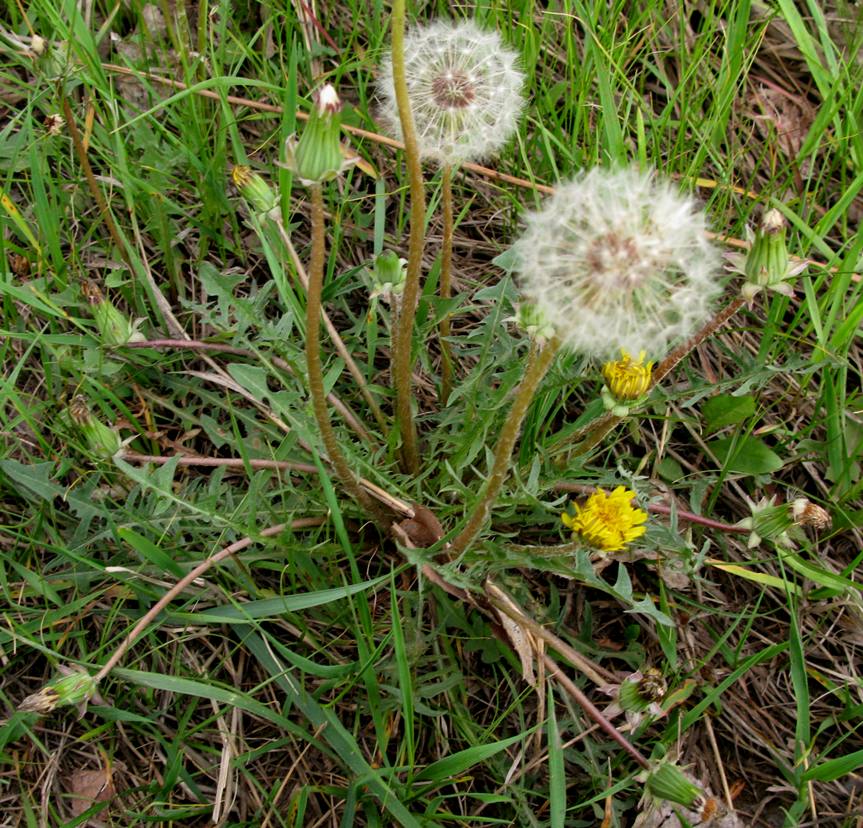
465, 91
619, 259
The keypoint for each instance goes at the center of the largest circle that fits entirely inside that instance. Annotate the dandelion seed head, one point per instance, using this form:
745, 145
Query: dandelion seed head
619, 260
465, 90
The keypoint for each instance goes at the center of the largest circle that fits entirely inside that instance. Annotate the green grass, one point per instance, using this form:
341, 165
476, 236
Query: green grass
320, 676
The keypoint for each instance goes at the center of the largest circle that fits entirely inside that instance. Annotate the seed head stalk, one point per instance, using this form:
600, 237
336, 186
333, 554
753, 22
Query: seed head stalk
539, 362
313, 356
404, 331
446, 282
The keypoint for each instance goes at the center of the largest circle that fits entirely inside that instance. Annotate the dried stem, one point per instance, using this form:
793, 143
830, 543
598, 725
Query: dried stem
187, 579
218, 462
593, 711
402, 367
539, 362
313, 357
446, 283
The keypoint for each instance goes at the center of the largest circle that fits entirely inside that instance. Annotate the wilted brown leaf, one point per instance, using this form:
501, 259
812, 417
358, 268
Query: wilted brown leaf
87, 787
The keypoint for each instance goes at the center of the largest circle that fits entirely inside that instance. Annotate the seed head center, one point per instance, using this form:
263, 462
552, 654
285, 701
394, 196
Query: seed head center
615, 260
453, 90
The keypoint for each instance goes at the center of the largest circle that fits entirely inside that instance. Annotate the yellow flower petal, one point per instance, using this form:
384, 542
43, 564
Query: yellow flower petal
606, 521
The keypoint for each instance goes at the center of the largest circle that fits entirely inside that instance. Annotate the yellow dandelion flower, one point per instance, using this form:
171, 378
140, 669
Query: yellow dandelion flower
628, 379
607, 521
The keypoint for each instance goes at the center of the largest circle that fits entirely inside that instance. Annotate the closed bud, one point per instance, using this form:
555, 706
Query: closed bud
669, 782
256, 191
531, 320
806, 513
767, 266
73, 688
318, 155
388, 276
114, 327
101, 440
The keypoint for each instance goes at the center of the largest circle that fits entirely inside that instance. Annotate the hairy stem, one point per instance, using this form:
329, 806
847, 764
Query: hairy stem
313, 356
342, 349
591, 435
446, 283
402, 367
539, 362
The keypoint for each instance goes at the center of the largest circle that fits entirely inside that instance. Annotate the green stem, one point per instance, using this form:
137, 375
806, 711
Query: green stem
538, 364
446, 283
402, 367
592, 435
313, 356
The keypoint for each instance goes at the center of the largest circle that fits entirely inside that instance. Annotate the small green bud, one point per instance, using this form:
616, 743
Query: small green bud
256, 191
668, 782
103, 441
73, 688
388, 276
318, 156
770, 521
767, 265
530, 319
113, 326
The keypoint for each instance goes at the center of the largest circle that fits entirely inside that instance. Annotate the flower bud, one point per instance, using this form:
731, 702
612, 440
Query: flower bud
530, 320
766, 265
73, 688
627, 381
640, 690
38, 45
54, 124
256, 191
103, 441
667, 781
318, 156
114, 328
388, 276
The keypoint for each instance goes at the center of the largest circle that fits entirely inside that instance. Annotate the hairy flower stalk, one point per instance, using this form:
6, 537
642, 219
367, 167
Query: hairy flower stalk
539, 362
404, 329
313, 356
446, 284
462, 89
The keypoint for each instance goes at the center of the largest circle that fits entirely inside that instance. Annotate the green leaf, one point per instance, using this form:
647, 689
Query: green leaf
268, 607
556, 768
834, 768
252, 377
456, 763
725, 410
34, 477
745, 455
150, 552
